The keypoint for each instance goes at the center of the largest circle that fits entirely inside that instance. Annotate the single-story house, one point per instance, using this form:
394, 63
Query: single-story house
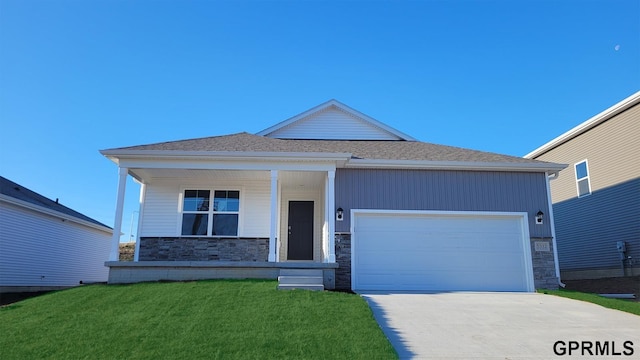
596, 200
335, 190
44, 245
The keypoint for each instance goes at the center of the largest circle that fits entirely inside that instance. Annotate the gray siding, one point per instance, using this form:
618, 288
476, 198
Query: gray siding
589, 227
442, 190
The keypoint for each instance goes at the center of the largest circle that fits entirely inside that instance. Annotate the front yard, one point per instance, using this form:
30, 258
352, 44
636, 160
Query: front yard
204, 319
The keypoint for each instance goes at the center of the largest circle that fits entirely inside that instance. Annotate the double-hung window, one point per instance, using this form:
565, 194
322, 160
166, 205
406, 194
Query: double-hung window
226, 209
204, 216
583, 185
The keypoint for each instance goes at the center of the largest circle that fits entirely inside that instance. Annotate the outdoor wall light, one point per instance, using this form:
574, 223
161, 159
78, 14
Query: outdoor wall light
539, 217
339, 214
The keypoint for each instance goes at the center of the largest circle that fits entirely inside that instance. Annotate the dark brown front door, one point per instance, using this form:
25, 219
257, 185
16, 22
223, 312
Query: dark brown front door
300, 241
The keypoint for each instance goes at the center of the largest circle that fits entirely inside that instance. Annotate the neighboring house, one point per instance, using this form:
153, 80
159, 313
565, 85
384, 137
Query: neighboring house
44, 245
334, 189
596, 200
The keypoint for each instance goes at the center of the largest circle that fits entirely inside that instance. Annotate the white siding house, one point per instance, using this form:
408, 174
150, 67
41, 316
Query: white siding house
45, 245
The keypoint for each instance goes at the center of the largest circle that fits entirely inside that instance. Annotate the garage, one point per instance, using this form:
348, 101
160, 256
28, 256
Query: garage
440, 251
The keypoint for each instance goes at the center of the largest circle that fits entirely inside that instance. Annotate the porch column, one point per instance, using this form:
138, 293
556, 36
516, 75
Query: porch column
331, 206
117, 226
274, 216
143, 195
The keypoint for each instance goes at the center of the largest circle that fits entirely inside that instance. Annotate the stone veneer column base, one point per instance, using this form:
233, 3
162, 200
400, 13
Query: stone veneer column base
544, 265
343, 258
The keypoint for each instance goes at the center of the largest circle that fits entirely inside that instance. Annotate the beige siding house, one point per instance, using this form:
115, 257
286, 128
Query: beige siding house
596, 199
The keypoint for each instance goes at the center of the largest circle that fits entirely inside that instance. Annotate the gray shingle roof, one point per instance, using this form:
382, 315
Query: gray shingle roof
16, 191
360, 149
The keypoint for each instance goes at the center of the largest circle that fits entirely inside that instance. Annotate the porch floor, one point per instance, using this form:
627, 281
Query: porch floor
127, 272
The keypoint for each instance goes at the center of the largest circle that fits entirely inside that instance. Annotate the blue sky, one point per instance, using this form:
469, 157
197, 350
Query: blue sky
501, 76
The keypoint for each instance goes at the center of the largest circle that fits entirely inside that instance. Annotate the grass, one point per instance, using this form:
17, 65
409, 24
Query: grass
244, 319
617, 304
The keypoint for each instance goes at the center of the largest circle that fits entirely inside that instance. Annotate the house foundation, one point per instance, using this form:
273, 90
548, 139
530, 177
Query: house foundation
128, 272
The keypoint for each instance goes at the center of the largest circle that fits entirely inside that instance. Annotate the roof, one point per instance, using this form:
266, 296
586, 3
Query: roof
10, 189
358, 149
598, 119
384, 131
330, 131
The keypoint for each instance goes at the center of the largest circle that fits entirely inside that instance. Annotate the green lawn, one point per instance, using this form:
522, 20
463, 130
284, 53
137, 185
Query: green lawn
245, 319
617, 304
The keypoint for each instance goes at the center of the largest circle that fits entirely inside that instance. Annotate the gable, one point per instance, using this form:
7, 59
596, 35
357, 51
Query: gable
333, 121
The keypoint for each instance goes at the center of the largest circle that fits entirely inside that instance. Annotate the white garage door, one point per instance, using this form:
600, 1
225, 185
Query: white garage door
446, 251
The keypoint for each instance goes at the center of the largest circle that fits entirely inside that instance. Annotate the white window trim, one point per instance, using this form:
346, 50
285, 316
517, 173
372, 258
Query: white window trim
588, 177
210, 212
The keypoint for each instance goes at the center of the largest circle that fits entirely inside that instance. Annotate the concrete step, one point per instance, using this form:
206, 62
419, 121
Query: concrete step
301, 287
300, 272
307, 280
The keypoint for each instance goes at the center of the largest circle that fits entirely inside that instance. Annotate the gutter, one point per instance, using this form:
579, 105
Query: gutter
456, 165
222, 155
343, 160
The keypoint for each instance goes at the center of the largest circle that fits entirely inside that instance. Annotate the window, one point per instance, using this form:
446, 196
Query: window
201, 219
226, 207
582, 178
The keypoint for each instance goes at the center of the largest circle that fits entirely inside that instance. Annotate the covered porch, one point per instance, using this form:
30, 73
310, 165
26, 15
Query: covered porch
221, 219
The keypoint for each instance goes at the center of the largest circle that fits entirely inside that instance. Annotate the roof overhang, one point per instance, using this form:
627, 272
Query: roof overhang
587, 125
550, 168
224, 160
43, 210
118, 155
263, 161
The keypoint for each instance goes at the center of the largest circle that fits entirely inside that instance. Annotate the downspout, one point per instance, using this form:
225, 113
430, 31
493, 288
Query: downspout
552, 176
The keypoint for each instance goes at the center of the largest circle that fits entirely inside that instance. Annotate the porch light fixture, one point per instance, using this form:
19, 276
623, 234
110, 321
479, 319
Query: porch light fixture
539, 217
339, 214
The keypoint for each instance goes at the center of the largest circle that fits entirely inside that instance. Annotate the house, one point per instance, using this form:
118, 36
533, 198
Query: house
44, 245
336, 191
596, 200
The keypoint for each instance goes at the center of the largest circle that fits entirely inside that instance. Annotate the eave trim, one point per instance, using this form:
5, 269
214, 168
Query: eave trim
455, 165
224, 155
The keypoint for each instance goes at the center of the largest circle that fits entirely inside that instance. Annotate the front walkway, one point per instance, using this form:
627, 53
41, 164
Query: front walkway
500, 326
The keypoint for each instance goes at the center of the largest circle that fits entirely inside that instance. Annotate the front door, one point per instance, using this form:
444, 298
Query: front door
300, 241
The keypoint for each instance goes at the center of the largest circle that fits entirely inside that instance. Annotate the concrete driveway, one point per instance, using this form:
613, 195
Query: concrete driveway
467, 325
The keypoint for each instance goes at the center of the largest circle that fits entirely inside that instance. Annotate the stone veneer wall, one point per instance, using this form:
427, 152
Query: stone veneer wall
544, 271
203, 249
343, 258
544, 266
